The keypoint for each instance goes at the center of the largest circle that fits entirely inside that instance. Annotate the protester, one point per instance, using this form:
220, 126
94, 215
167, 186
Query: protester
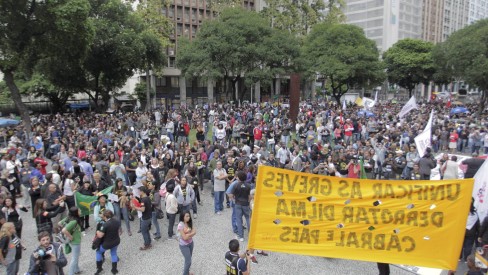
235, 263
110, 240
186, 232
11, 255
72, 230
47, 258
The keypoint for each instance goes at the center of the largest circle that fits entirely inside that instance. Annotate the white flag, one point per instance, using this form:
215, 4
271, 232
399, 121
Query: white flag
410, 105
423, 139
480, 191
368, 103
376, 96
344, 105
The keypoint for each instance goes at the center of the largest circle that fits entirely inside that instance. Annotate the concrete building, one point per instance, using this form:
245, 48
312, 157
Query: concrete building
478, 9
455, 16
432, 20
386, 22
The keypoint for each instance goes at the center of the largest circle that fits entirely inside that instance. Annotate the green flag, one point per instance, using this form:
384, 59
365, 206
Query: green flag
85, 203
362, 171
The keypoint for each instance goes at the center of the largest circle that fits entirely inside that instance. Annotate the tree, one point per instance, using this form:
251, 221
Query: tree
155, 39
344, 56
37, 85
116, 51
464, 55
409, 62
335, 12
32, 31
295, 16
237, 45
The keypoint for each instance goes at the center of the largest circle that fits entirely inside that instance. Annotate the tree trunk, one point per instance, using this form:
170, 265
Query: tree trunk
148, 90
483, 101
410, 92
17, 98
337, 95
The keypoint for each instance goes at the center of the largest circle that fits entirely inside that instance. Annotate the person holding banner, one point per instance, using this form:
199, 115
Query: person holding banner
472, 230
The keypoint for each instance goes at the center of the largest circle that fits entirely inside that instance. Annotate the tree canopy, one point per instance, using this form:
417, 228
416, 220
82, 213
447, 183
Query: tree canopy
35, 31
409, 62
295, 16
239, 43
344, 56
464, 55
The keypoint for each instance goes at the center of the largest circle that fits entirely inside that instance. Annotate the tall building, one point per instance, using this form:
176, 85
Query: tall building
173, 88
432, 20
455, 16
386, 22
478, 9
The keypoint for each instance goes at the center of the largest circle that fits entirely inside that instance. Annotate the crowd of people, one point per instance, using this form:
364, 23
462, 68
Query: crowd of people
158, 163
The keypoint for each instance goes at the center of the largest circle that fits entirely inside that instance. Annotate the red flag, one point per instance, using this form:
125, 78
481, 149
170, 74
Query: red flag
448, 104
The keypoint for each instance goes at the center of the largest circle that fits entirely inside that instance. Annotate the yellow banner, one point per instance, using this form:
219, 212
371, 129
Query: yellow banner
408, 222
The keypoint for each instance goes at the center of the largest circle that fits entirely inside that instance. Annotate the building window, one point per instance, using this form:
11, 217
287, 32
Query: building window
161, 81
175, 81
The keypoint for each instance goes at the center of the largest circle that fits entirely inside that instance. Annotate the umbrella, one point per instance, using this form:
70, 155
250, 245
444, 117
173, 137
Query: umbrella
366, 113
5, 122
459, 110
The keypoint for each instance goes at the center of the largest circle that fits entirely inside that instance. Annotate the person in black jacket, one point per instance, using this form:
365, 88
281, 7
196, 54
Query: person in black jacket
473, 164
472, 229
109, 233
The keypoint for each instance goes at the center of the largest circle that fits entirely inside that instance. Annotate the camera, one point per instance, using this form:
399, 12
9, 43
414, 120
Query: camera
42, 253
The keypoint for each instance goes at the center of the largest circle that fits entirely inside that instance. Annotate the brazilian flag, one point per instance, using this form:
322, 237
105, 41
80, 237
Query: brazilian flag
85, 203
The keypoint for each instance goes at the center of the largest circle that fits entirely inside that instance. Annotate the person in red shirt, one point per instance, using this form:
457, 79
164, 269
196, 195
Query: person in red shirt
258, 133
453, 138
348, 129
353, 169
40, 160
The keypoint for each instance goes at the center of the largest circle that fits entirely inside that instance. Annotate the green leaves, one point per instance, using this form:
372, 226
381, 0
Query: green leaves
464, 56
409, 62
239, 43
344, 55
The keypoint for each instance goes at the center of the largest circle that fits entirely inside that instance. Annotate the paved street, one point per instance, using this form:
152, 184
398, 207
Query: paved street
211, 242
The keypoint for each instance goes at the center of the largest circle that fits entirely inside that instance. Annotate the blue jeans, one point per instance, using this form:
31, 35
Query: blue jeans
145, 231
171, 137
187, 251
233, 217
124, 212
156, 224
75, 255
218, 201
13, 268
113, 254
171, 220
242, 210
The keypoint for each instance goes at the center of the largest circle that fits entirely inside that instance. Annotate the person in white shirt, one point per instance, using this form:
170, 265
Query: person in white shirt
220, 176
141, 172
171, 207
283, 155
170, 128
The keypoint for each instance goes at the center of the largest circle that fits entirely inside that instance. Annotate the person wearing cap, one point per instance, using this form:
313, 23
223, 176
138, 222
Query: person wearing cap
101, 205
